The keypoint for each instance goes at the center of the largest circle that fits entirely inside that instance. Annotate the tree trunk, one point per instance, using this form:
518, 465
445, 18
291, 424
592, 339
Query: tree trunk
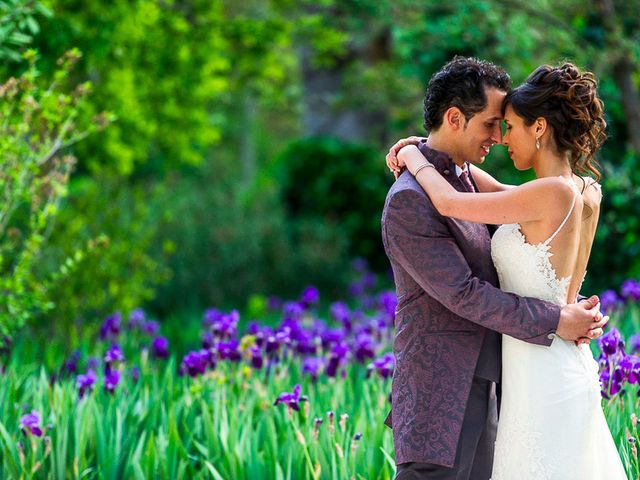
622, 69
623, 75
328, 106
248, 154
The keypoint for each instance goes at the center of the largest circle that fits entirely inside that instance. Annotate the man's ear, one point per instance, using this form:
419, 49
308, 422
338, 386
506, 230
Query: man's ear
454, 118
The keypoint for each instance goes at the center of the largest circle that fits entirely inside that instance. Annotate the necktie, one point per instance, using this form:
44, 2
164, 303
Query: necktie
464, 178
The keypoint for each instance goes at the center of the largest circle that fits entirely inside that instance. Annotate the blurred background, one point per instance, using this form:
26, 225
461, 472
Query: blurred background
235, 150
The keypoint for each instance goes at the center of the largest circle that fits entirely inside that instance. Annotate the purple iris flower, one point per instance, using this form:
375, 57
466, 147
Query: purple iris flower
310, 296
111, 326
160, 347
226, 325
229, 351
634, 342
283, 337
356, 288
253, 328
211, 316
31, 422
93, 363
5, 346
114, 354
137, 319
262, 335
364, 347
368, 280
611, 384
5, 353
312, 366
289, 330
305, 343
369, 302
359, 265
195, 363
111, 380
135, 374
292, 400
337, 358
609, 301
86, 382
274, 303
71, 364
388, 303
271, 345
342, 314
292, 311
611, 341
332, 337
383, 365
632, 369
208, 341
630, 289
151, 327
257, 361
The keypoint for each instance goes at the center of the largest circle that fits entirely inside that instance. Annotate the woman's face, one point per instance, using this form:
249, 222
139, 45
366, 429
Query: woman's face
519, 139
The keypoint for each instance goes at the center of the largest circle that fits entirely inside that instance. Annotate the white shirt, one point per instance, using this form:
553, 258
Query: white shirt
460, 170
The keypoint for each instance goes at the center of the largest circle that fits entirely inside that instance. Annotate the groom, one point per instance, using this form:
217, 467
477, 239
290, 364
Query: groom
450, 313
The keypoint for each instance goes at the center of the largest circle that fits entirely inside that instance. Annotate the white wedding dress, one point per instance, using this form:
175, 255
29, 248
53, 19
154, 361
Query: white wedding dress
551, 424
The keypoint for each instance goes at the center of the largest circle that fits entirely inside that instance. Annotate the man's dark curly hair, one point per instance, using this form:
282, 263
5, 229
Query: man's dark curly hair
461, 83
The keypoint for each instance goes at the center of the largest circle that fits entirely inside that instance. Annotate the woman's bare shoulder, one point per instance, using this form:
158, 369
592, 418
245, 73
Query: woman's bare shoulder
591, 195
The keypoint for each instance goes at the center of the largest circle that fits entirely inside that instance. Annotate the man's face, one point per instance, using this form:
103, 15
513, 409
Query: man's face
483, 130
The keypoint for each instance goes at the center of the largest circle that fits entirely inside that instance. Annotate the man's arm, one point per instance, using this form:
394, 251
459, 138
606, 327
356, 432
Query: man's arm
419, 240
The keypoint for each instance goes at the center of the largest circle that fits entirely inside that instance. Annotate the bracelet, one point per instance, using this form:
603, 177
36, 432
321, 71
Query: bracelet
424, 165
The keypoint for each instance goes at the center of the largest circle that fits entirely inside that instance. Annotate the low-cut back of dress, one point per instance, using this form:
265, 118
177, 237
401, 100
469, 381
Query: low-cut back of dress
551, 424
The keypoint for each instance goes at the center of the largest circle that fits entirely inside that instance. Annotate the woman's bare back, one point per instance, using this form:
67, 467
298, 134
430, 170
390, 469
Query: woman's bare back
571, 246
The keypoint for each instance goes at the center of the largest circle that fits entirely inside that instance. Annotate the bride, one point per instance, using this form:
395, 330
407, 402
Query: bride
551, 422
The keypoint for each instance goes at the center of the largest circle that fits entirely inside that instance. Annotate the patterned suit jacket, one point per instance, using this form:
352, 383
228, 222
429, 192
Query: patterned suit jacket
447, 292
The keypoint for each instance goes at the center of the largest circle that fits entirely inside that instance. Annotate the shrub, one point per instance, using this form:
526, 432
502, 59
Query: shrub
40, 120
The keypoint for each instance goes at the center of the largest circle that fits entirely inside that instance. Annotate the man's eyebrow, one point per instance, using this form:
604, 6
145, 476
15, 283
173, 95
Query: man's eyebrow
493, 119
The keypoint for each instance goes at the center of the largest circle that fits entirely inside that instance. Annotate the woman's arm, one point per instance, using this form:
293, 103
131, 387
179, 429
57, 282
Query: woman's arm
486, 183
526, 203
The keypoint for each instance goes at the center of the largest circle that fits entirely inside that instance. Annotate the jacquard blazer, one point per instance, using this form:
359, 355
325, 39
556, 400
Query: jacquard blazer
447, 292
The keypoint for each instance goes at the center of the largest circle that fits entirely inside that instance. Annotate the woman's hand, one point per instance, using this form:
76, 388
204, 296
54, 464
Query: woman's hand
392, 156
411, 158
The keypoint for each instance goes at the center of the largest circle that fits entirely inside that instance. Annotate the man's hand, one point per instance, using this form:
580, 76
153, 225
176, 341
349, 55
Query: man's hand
392, 156
582, 321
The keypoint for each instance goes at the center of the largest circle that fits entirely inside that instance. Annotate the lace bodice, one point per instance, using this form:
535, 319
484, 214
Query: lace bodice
524, 268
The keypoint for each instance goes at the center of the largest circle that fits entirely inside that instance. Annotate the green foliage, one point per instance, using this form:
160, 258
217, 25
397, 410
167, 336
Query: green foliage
18, 26
217, 230
166, 69
119, 222
39, 122
616, 251
339, 185
201, 87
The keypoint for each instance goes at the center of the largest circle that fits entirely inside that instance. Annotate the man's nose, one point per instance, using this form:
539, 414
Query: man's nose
496, 135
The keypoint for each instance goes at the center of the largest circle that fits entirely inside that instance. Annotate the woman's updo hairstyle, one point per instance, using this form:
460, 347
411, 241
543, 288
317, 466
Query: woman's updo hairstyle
569, 102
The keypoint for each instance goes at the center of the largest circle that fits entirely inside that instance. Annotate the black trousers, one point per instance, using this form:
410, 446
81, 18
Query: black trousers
474, 455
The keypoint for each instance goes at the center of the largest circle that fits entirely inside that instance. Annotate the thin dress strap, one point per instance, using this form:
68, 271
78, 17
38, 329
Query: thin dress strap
573, 204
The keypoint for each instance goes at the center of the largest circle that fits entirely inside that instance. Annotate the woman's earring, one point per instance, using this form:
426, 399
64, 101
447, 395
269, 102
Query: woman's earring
537, 144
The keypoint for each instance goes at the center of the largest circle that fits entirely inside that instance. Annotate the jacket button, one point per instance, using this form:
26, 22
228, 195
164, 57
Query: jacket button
551, 336
446, 172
